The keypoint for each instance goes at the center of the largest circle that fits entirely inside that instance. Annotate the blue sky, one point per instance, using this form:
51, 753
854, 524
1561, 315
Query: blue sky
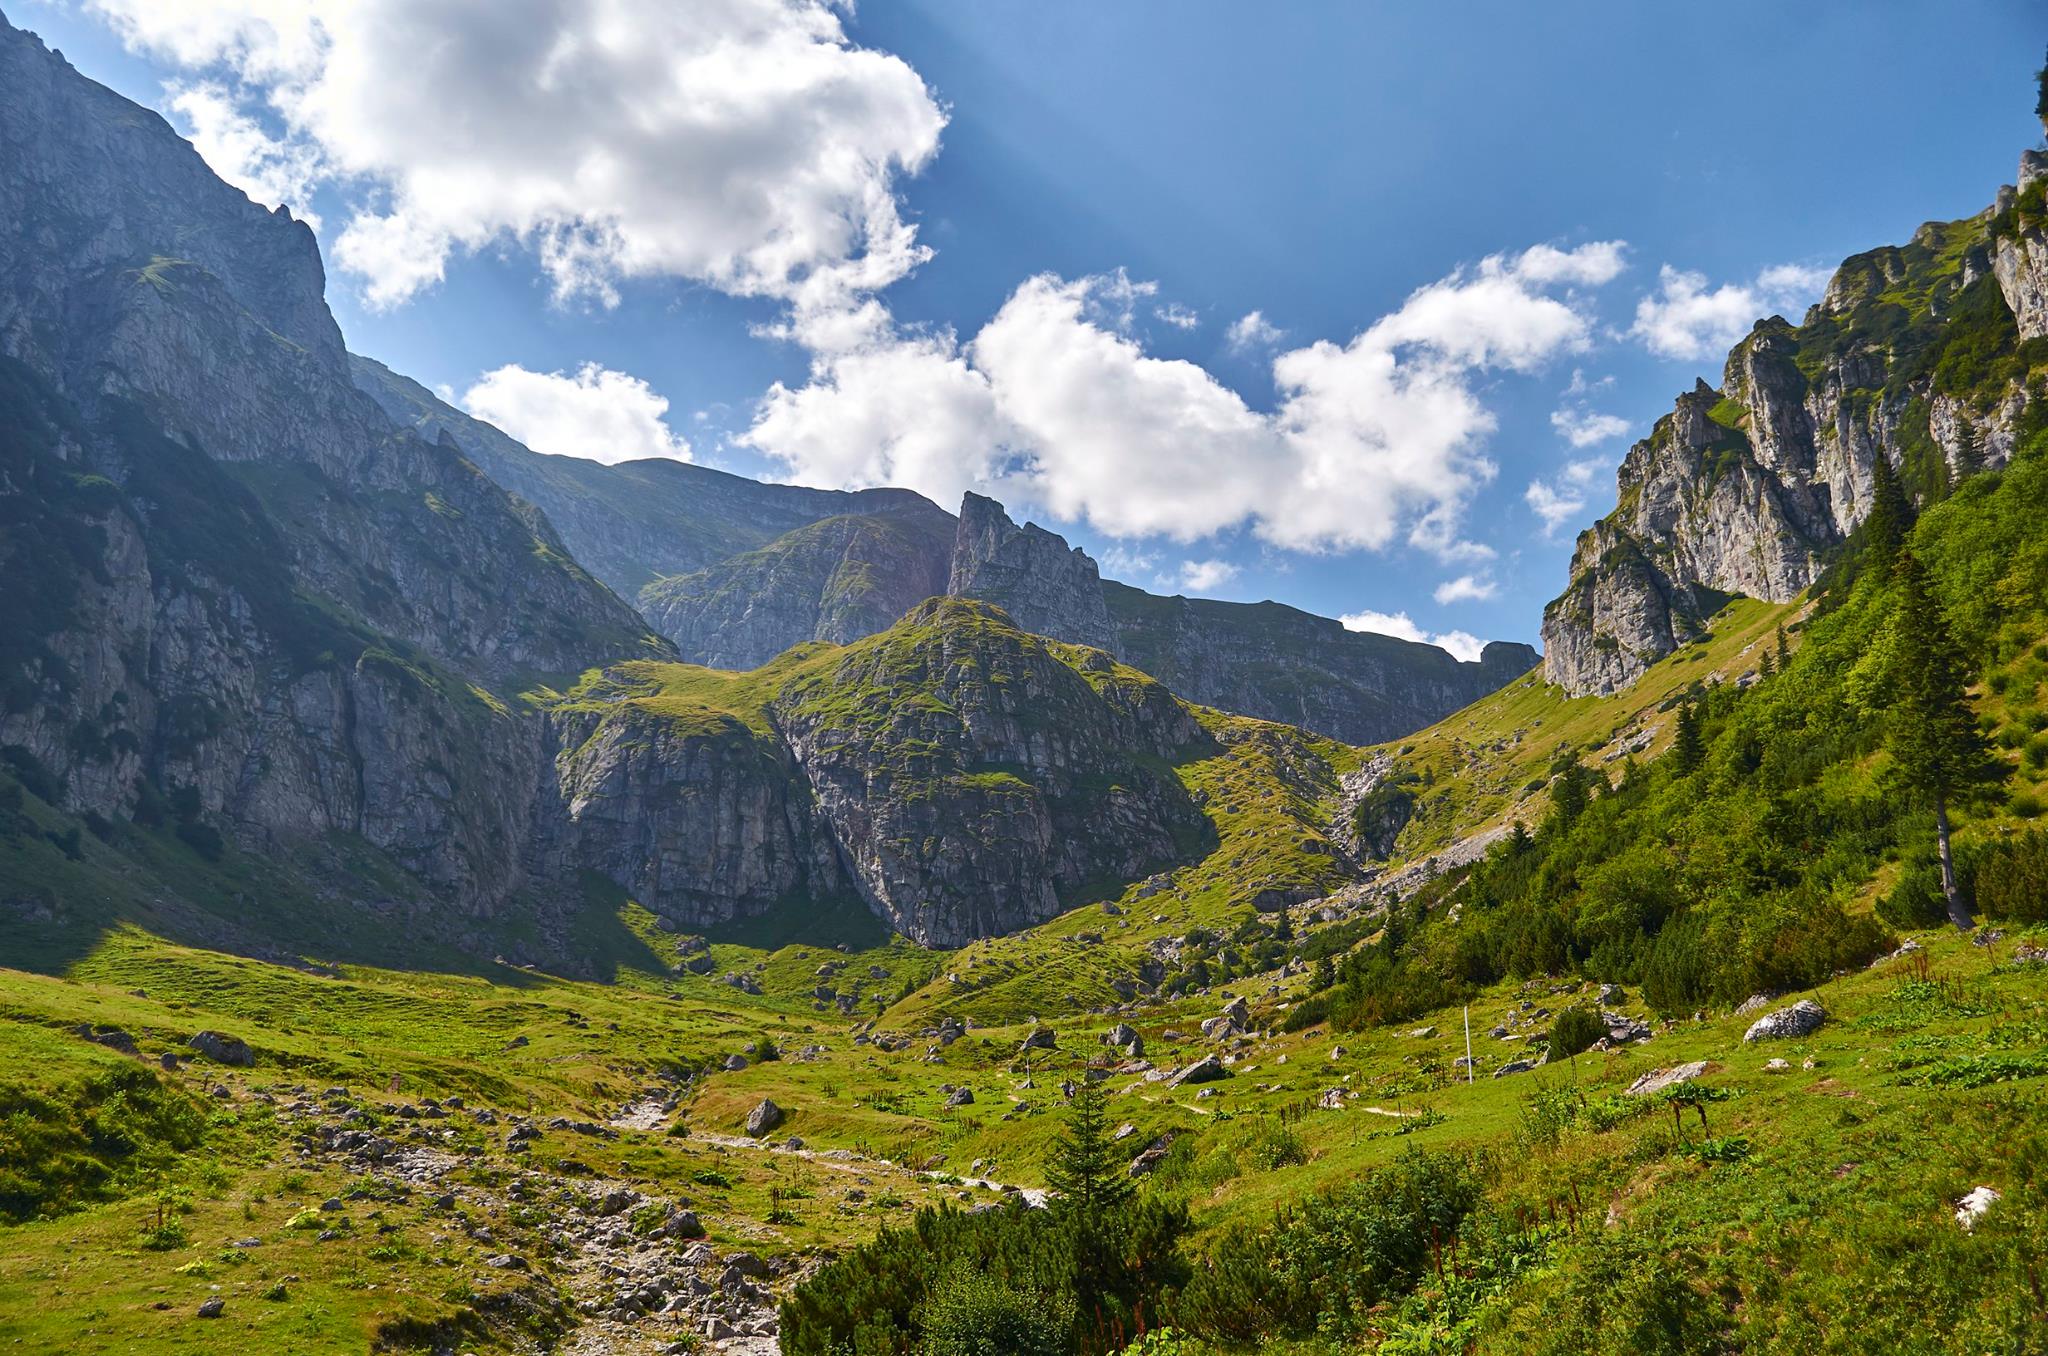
1161, 171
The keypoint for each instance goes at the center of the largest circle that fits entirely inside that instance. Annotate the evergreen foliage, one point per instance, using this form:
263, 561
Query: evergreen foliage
1938, 753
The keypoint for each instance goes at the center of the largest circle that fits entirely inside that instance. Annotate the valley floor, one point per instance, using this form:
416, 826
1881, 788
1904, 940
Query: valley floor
429, 1162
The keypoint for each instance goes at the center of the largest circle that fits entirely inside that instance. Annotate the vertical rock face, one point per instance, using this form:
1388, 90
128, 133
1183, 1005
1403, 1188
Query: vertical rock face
2020, 254
1912, 355
1030, 573
240, 587
834, 580
960, 777
1260, 659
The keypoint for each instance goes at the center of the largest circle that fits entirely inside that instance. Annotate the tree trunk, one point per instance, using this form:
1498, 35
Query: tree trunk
1958, 911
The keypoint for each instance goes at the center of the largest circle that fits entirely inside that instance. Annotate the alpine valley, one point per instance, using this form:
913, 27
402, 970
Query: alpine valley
460, 899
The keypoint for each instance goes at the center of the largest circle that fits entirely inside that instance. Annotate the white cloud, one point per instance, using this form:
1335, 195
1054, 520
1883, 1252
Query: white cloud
1685, 320
1206, 576
1178, 316
1582, 427
1056, 403
1555, 505
1466, 588
1122, 562
241, 151
596, 413
1461, 644
746, 144
1252, 331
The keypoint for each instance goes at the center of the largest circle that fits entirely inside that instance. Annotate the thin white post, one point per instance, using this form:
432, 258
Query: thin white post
1468, 1043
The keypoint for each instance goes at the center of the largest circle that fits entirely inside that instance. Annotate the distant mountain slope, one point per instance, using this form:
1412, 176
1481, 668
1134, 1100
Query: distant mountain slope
1260, 659
1917, 354
836, 580
631, 522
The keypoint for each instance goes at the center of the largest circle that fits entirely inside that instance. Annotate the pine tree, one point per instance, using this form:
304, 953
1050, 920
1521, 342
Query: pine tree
1570, 793
1889, 517
1325, 976
1084, 1169
1784, 648
1688, 749
1768, 665
2041, 103
1938, 754
1969, 452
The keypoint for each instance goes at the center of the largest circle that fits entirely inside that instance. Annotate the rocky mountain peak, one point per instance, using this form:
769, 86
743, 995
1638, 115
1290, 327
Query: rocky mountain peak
1753, 489
1047, 587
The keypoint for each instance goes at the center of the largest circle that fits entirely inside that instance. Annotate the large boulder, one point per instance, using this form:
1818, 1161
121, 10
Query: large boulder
1801, 1019
1207, 1069
223, 1049
763, 1118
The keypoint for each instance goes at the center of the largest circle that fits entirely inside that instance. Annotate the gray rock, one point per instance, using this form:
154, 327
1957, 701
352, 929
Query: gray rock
1514, 1066
213, 1308
1207, 1069
765, 1117
223, 1049
1652, 1083
1801, 1019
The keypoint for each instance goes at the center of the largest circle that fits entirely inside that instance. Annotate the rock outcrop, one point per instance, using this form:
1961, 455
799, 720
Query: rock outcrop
241, 599
1754, 487
834, 580
1030, 573
1258, 659
953, 773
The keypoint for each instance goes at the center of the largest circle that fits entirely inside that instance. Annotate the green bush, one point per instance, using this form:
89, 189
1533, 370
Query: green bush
1321, 1268
970, 1314
1574, 1030
1917, 900
2012, 879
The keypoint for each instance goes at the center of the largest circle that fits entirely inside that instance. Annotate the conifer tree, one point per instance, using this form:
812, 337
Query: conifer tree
1784, 648
2041, 102
1937, 751
1969, 452
1084, 1169
1570, 793
1688, 749
1325, 976
1890, 515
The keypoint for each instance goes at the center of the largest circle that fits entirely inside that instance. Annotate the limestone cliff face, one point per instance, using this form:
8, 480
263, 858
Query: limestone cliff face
961, 777
1912, 355
834, 580
1030, 573
1258, 659
236, 584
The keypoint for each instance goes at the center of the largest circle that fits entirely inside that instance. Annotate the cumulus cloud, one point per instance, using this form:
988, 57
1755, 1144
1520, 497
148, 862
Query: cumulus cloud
1252, 331
1206, 576
1558, 501
1687, 320
1056, 402
1466, 588
1582, 427
1461, 644
1556, 505
747, 144
243, 152
1178, 316
594, 412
